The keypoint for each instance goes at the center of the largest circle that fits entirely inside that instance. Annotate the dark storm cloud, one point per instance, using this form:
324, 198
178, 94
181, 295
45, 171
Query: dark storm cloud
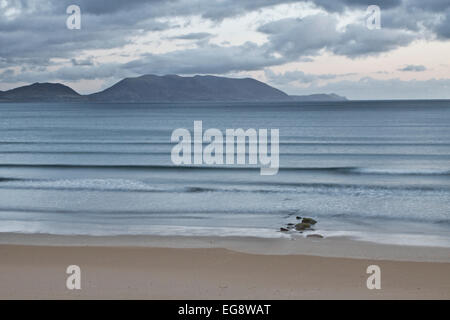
105, 7
432, 16
443, 27
215, 10
430, 5
296, 37
341, 5
41, 34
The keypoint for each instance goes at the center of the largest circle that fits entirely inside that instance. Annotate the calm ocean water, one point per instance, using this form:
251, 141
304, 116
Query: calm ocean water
377, 171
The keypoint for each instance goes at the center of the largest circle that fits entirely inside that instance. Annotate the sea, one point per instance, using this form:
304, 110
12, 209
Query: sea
375, 171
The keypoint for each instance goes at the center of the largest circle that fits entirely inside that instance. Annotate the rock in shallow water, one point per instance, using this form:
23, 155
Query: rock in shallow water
309, 220
318, 236
302, 226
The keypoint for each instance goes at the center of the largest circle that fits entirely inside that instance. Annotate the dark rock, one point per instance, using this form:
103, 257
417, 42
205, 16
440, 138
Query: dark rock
318, 236
284, 229
309, 220
298, 218
302, 226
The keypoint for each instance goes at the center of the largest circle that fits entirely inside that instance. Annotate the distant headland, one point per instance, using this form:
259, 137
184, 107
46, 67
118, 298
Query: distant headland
168, 88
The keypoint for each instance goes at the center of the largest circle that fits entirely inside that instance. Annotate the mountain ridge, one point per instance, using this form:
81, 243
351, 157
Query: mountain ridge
40, 92
167, 88
151, 88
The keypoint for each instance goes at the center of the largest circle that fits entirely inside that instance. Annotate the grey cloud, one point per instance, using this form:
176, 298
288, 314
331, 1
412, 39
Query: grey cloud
7, 73
341, 5
103, 71
104, 24
38, 35
291, 77
193, 36
296, 37
432, 16
104, 7
415, 68
207, 59
84, 62
430, 5
356, 41
214, 10
407, 20
443, 28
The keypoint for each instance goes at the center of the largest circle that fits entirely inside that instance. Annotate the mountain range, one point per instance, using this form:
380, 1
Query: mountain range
168, 88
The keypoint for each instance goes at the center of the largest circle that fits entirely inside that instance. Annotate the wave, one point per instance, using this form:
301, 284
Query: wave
340, 170
196, 213
384, 218
281, 154
118, 185
338, 187
398, 171
129, 185
443, 221
327, 219
9, 179
164, 142
122, 185
58, 228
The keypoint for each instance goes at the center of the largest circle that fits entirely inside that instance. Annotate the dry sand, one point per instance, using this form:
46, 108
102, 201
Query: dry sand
132, 272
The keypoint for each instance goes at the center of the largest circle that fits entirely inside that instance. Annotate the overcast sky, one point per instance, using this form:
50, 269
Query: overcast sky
301, 47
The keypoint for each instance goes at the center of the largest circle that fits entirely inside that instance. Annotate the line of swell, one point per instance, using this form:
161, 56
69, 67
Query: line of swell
383, 217
260, 187
286, 154
127, 213
298, 143
342, 170
9, 179
202, 214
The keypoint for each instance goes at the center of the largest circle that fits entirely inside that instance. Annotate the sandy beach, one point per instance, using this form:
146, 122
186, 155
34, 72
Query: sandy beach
198, 268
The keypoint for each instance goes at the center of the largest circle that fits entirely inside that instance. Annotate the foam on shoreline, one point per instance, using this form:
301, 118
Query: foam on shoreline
341, 247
